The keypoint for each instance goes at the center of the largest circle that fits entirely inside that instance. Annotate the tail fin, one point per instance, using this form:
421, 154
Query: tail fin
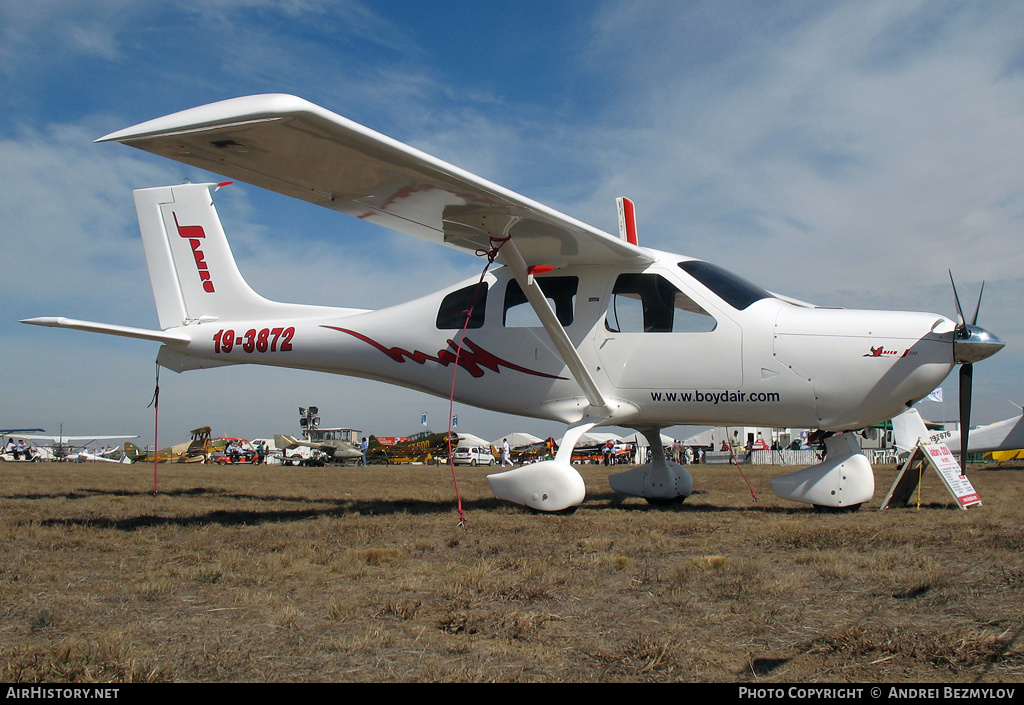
194, 275
908, 429
133, 453
191, 267
285, 442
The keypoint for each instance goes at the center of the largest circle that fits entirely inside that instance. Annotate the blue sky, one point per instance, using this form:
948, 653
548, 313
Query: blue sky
844, 153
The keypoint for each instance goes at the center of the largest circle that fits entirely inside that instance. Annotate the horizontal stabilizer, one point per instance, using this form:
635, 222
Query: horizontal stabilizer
108, 329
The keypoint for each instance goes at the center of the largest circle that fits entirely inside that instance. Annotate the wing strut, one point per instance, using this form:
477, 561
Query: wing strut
511, 256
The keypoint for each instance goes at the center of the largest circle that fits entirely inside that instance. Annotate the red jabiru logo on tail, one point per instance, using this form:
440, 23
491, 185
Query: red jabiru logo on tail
195, 235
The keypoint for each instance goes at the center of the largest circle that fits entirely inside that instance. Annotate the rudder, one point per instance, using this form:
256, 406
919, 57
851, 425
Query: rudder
908, 429
192, 270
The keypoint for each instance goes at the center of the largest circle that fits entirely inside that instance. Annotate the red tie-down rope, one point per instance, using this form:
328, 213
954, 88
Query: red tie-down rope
491, 254
736, 462
155, 403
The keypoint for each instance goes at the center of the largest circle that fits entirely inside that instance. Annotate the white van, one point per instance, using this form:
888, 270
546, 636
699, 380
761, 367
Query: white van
472, 455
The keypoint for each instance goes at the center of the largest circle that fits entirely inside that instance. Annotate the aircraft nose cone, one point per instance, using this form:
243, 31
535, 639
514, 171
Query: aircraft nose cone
973, 343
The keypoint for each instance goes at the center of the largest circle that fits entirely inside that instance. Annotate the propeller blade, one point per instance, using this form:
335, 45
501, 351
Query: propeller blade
956, 297
974, 318
966, 383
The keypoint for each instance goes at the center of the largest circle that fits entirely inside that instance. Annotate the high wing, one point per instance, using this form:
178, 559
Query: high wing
291, 146
66, 439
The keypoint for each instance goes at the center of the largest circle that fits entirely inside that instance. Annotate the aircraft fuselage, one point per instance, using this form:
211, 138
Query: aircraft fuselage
676, 342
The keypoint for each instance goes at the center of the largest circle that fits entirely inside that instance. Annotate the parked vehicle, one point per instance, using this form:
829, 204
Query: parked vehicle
472, 455
238, 451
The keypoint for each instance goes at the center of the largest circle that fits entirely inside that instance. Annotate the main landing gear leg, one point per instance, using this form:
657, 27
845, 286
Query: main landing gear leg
660, 481
548, 486
843, 481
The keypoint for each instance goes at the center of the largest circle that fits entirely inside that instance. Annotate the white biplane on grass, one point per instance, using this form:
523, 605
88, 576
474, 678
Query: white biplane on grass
619, 334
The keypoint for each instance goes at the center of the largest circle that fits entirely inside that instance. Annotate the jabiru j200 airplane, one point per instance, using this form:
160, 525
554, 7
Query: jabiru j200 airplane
576, 325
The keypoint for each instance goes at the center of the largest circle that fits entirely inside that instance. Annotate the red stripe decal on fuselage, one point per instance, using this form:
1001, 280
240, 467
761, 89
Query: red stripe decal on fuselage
472, 358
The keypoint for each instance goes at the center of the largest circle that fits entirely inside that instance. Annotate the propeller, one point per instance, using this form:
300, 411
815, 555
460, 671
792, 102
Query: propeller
971, 343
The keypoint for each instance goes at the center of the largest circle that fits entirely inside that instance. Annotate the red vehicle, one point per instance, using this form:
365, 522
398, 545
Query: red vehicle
238, 451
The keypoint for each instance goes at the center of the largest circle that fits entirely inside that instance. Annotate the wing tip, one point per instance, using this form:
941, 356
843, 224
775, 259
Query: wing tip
251, 107
48, 321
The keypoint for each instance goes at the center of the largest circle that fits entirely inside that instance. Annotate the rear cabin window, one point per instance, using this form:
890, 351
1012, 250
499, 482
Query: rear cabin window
560, 293
649, 303
454, 306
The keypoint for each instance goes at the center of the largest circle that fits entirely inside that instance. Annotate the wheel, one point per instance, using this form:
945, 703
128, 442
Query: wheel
473, 462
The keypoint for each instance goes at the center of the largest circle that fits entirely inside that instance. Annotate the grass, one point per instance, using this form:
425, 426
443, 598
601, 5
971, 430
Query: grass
363, 574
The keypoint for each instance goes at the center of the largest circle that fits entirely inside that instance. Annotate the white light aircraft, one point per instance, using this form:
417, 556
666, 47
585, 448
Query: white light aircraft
578, 326
61, 447
908, 428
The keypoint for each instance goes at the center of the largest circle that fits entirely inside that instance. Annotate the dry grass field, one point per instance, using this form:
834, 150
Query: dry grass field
353, 574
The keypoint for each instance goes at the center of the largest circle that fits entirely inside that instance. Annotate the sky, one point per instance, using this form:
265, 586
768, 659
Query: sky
843, 153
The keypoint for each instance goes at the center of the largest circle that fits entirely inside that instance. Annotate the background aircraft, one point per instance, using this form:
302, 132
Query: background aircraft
329, 444
1006, 435
63, 447
618, 335
425, 447
199, 449
334, 449
531, 451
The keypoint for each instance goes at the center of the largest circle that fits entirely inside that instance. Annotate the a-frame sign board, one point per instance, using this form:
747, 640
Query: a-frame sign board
941, 459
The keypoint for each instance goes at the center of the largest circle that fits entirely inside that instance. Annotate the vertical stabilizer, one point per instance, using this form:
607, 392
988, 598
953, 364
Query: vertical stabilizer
191, 267
908, 429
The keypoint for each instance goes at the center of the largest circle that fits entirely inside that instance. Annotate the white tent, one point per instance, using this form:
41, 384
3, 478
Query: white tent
592, 439
641, 440
704, 438
516, 440
468, 439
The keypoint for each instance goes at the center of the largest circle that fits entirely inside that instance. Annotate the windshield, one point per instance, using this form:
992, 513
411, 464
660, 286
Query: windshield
734, 290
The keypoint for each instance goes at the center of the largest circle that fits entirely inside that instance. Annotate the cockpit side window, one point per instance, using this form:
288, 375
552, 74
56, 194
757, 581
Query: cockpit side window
560, 293
649, 303
452, 314
735, 291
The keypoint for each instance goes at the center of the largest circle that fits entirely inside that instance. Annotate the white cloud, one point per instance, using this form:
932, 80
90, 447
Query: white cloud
832, 140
